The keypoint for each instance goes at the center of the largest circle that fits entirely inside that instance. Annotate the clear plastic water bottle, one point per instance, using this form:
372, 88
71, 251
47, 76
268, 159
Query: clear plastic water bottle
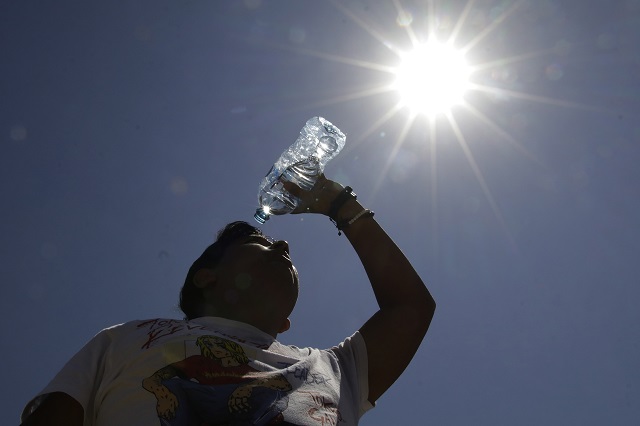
302, 163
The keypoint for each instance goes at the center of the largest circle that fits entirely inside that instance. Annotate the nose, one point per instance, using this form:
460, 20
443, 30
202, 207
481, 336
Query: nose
281, 245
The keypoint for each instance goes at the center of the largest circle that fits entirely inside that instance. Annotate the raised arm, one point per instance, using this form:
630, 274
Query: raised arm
394, 333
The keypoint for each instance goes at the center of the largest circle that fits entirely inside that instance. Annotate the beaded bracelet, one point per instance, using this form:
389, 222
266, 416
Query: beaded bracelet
344, 224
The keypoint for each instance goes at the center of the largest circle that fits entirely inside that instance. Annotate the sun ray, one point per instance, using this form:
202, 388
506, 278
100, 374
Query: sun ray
512, 59
376, 124
408, 28
373, 66
537, 98
368, 92
496, 128
434, 186
432, 21
461, 20
499, 20
480, 178
365, 26
396, 147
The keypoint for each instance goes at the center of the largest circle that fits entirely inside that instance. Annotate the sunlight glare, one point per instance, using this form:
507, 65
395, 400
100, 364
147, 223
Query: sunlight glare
432, 78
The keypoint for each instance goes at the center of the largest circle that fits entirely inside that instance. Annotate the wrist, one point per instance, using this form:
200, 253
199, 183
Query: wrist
345, 197
346, 210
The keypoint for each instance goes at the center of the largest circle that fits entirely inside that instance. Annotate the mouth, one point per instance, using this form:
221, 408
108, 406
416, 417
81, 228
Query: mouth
282, 257
287, 259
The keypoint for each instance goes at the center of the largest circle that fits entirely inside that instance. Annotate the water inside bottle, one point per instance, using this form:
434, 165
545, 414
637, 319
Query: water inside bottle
275, 200
303, 173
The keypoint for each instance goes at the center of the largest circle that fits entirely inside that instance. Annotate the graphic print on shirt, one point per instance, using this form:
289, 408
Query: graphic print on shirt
217, 387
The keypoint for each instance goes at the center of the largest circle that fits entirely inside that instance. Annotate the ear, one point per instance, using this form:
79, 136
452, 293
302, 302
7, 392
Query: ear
204, 277
286, 324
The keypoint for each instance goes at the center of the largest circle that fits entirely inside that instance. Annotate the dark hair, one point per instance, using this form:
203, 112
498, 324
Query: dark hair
190, 295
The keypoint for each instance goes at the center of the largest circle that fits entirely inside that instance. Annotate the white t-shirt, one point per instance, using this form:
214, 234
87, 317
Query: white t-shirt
211, 371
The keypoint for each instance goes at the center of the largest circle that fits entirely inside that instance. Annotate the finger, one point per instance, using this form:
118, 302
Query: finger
292, 188
297, 191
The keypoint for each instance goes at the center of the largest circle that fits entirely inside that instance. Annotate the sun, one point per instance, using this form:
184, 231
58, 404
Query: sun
432, 78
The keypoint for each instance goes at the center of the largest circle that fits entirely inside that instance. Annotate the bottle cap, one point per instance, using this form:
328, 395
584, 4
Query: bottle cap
261, 216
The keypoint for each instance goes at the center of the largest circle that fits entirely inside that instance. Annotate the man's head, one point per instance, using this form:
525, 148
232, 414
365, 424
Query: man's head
244, 276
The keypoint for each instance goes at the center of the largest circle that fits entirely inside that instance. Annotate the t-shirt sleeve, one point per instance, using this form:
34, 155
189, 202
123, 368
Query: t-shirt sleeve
352, 355
80, 377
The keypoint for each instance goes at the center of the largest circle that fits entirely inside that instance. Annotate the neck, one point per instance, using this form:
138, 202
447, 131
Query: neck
238, 315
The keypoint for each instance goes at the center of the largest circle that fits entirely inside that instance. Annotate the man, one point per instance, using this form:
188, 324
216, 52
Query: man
223, 364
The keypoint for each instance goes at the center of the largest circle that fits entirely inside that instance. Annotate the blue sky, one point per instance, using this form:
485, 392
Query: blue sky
132, 131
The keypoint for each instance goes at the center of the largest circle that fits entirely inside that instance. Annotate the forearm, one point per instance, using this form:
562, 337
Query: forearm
393, 279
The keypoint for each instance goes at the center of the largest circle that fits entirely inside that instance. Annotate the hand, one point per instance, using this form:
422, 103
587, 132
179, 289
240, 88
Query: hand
318, 199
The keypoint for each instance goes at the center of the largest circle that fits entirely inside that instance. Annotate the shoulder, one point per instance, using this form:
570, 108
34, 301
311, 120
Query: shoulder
352, 351
349, 351
146, 323
144, 326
